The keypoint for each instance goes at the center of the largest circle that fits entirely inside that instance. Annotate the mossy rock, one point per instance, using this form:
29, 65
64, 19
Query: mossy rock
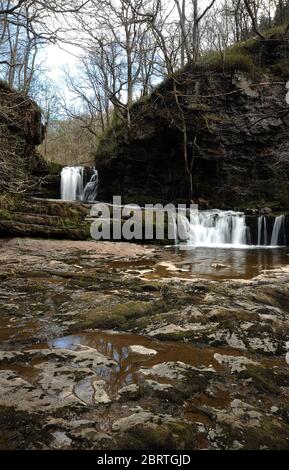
122, 315
174, 435
266, 380
271, 434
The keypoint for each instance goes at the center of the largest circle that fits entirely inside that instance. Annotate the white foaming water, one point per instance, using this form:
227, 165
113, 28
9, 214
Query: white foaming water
227, 229
72, 183
262, 231
90, 190
72, 186
214, 228
278, 231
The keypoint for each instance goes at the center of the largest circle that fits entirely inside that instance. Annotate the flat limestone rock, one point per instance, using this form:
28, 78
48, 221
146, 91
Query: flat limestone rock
129, 391
84, 391
86, 357
142, 417
158, 387
100, 395
189, 327
17, 393
240, 415
235, 363
61, 440
173, 370
136, 349
59, 380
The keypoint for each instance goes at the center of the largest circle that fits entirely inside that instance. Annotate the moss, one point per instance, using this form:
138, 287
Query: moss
266, 380
8, 201
276, 297
227, 317
282, 70
174, 435
276, 31
271, 434
54, 168
5, 215
123, 315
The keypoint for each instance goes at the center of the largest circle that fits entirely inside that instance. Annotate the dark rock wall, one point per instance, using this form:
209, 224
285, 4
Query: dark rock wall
237, 127
21, 131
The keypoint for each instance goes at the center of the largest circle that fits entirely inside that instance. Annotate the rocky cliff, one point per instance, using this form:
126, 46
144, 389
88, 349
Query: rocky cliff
235, 119
21, 131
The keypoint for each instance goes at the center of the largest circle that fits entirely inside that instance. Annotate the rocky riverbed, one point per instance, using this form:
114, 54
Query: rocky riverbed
113, 345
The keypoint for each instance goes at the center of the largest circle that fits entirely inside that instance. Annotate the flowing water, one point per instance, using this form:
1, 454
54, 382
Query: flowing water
214, 228
73, 187
90, 190
262, 231
72, 183
226, 229
278, 234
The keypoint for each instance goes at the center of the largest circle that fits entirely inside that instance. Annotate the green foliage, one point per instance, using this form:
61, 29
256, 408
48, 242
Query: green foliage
234, 59
54, 168
107, 141
276, 31
281, 69
107, 144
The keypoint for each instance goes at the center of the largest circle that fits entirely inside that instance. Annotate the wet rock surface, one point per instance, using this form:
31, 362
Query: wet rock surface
98, 355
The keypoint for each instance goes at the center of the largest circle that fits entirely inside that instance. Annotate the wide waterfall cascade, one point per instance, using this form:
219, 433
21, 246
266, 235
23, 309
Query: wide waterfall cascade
224, 229
73, 187
279, 231
213, 228
72, 183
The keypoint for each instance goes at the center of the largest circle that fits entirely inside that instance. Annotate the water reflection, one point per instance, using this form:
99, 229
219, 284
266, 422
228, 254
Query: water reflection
116, 346
231, 264
205, 262
110, 345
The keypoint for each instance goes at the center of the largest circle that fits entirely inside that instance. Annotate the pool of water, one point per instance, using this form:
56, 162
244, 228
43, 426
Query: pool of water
212, 263
206, 263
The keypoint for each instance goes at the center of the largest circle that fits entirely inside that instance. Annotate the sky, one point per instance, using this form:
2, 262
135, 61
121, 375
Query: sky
66, 56
56, 58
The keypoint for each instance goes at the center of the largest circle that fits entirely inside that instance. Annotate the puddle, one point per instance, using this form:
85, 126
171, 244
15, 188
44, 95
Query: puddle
195, 409
116, 346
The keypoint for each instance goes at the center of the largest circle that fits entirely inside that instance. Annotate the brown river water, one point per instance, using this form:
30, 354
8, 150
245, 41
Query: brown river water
207, 263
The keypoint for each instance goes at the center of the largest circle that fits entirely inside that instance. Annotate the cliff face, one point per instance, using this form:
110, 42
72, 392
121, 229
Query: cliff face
21, 130
236, 124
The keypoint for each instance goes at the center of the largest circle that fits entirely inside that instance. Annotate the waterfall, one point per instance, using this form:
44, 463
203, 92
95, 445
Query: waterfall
262, 231
72, 184
213, 228
279, 233
226, 229
90, 190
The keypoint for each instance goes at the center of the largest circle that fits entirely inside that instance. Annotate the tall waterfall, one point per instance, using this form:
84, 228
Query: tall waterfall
279, 231
72, 184
214, 228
